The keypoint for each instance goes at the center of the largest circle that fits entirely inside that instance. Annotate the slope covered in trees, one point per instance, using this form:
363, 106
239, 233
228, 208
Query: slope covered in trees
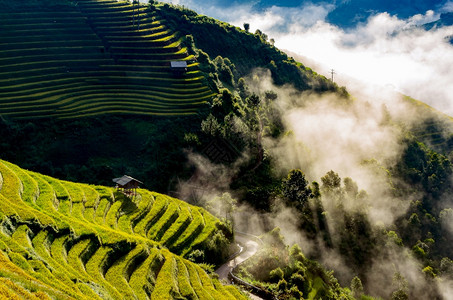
244, 51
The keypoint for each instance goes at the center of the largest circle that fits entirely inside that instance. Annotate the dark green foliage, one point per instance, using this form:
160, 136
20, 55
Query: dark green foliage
261, 35
282, 286
429, 174
243, 88
401, 287
357, 240
95, 150
210, 126
216, 249
331, 182
356, 287
446, 267
259, 186
270, 95
296, 189
276, 275
225, 69
288, 274
196, 256
253, 100
223, 104
427, 168
245, 50
297, 193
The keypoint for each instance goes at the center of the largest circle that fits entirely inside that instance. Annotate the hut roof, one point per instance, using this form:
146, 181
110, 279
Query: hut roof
125, 180
178, 64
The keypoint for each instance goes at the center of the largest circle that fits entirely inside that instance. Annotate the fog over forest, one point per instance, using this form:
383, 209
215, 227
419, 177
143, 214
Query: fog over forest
377, 61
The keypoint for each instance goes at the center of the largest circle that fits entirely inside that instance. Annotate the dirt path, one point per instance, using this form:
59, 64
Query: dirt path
248, 248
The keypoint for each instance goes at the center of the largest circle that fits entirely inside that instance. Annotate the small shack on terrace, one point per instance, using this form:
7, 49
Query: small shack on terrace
178, 67
127, 184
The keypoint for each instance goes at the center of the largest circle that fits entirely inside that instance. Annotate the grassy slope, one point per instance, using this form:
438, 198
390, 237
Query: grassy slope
51, 247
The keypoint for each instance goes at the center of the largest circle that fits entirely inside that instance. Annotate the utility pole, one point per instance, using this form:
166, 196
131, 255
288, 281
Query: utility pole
332, 72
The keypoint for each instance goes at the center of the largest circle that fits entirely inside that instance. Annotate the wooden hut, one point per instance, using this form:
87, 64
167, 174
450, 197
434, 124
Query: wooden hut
178, 67
127, 184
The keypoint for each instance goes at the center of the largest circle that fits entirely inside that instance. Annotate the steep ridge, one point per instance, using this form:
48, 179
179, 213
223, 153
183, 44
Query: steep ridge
92, 58
66, 240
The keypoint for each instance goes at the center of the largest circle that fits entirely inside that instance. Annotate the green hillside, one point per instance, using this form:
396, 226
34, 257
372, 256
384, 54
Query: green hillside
87, 94
86, 87
244, 50
66, 240
70, 60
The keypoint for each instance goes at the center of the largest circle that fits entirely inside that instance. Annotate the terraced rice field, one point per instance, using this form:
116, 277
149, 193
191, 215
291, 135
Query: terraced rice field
96, 57
66, 240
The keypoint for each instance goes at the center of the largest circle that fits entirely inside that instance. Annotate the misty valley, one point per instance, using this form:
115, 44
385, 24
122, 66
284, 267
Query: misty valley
150, 151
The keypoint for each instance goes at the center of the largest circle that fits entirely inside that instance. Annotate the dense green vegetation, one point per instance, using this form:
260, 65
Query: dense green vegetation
97, 75
68, 240
97, 148
289, 274
236, 52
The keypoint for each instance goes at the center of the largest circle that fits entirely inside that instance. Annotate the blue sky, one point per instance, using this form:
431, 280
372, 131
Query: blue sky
384, 51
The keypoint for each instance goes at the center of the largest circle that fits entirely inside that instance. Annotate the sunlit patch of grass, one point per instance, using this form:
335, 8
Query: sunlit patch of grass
143, 280
190, 233
159, 228
158, 209
117, 273
94, 267
210, 226
166, 283
185, 288
75, 258
112, 215
196, 283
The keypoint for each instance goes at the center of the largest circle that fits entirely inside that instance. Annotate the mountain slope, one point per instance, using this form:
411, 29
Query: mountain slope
69, 240
92, 58
245, 51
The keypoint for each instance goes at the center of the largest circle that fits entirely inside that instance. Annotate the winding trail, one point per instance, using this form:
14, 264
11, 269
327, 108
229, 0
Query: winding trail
248, 248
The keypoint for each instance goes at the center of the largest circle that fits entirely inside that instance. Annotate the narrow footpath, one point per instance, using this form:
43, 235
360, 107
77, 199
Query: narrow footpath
248, 248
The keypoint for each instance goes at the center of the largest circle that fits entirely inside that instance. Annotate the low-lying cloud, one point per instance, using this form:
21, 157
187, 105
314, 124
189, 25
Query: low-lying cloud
352, 138
386, 51
355, 139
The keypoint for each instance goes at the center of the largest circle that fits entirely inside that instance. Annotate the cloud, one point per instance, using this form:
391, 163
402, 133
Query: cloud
448, 7
273, 18
385, 51
326, 133
354, 139
384, 55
